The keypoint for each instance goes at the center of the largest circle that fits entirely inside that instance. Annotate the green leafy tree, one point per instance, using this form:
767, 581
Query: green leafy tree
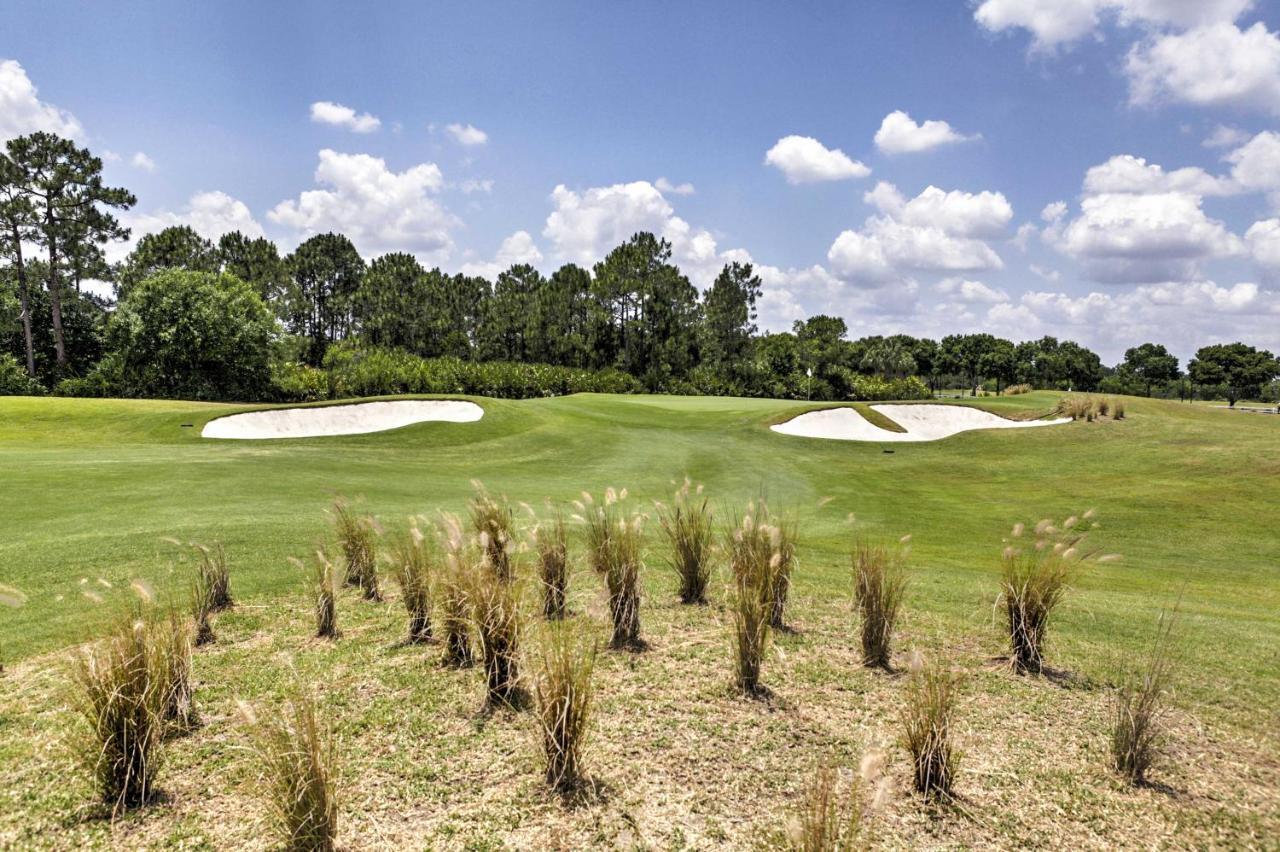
63, 184
561, 319
1239, 369
889, 357
84, 321
18, 226
507, 315
192, 335
729, 314
175, 247
962, 354
650, 310
1151, 364
326, 272
998, 362
257, 262
390, 305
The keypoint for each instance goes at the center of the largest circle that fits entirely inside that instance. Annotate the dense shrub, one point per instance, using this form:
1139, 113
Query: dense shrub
102, 381
14, 380
871, 388
294, 382
369, 371
192, 335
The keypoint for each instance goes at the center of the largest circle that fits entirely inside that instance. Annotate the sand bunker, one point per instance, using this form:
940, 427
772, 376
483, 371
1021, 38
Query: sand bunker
354, 419
922, 422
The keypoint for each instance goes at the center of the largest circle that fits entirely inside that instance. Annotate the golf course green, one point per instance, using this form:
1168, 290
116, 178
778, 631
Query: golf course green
1188, 495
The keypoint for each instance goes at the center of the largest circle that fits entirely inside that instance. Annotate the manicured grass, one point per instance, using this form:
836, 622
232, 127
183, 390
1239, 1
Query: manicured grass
1186, 493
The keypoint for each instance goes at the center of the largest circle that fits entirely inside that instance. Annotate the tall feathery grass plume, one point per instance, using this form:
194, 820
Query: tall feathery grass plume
321, 586
1038, 567
493, 521
215, 573
831, 813
357, 536
497, 622
122, 693
1138, 730
614, 548
203, 603
687, 525
780, 590
551, 543
879, 581
297, 772
173, 635
755, 551
927, 720
413, 559
452, 600
564, 691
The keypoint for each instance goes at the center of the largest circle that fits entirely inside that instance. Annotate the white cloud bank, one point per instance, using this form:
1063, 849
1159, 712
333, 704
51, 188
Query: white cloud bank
1213, 66
900, 134
803, 159
337, 115
1058, 22
22, 111
378, 209
465, 134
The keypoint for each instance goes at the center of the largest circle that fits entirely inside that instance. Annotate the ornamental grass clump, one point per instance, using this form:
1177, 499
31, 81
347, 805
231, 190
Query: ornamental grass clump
1137, 730
358, 537
879, 580
687, 524
927, 718
412, 558
452, 597
297, 774
1117, 410
550, 541
215, 574
203, 597
613, 546
832, 810
122, 694
563, 692
1037, 571
493, 522
780, 588
172, 635
755, 557
321, 586
496, 619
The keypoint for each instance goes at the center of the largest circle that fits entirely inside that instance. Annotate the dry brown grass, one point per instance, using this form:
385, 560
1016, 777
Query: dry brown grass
1141, 704
550, 540
614, 548
686, 523
297, 765
123, 694
564, 691
358, 537
680, 763
928, 720
412, 558
1037, 570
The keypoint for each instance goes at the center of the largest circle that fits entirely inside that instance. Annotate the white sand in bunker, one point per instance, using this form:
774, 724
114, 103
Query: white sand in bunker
355, 419
922, 422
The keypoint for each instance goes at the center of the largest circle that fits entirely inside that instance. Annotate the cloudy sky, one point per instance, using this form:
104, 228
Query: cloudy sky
1103, 170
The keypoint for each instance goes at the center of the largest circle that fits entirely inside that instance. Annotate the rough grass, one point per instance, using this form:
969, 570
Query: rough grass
686, 523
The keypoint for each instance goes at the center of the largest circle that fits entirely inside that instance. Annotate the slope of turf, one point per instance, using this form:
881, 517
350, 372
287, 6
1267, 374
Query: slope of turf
1186, 494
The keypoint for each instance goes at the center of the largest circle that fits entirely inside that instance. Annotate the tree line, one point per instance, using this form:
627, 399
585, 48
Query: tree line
215, 319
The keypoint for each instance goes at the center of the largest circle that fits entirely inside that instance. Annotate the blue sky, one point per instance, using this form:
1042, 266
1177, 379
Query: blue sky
772, 126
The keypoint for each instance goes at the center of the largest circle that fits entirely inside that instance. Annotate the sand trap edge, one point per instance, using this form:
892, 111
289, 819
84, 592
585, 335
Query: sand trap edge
352, 418
846, 423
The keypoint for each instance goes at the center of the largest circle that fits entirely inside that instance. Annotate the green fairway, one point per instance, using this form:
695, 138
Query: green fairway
1187, 494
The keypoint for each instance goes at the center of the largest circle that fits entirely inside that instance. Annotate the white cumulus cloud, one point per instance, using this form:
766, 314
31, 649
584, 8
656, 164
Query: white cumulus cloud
517, 248
328, 112
900, 134
804, 159
1127, 173
22, 111
209, 214
666, 186
1057, 22
1218, 65
377, 208
141, 161
465, 134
